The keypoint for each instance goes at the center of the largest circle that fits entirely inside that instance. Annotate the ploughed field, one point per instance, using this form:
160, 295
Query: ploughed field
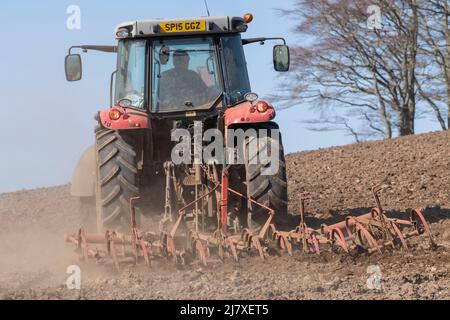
415, 172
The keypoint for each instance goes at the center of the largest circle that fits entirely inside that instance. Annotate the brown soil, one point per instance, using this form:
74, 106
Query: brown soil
414, 170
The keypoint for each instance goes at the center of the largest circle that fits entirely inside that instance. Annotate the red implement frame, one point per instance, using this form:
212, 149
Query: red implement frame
371, 232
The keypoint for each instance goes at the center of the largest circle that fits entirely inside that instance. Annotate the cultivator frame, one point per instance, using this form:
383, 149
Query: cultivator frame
370, 232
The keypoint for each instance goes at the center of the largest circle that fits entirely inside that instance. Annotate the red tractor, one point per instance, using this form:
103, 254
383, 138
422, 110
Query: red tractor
187, 143
176, 80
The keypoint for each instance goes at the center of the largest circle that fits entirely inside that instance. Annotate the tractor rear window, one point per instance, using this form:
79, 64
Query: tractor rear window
185, 75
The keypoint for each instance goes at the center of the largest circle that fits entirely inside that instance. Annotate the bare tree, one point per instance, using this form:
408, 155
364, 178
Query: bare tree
434, 82
350, 71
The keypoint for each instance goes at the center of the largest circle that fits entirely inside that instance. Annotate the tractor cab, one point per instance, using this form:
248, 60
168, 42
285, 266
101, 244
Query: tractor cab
169, 66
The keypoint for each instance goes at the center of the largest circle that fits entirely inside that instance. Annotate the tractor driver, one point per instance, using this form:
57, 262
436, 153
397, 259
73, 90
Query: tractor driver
181, 87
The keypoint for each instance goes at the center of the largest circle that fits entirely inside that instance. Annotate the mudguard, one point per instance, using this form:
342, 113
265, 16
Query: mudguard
245, 113
130, 119
83, 180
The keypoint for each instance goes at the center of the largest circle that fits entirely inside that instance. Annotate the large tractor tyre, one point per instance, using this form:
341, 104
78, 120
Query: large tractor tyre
117, 179
267, 189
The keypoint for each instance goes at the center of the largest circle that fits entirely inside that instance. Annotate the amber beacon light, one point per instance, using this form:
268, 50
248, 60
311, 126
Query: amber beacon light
248, 17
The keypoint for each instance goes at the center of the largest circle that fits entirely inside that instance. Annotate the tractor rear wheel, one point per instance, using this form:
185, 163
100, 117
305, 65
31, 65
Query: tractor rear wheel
117, 179
266, 185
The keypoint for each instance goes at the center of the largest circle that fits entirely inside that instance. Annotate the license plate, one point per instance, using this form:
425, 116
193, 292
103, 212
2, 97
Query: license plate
183, 26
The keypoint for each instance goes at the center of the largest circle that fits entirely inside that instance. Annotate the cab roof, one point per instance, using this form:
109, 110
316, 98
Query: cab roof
177, 26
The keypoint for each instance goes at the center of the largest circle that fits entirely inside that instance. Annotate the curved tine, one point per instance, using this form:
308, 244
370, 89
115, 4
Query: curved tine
285, 244
232, 248
164, 241
302, 230
191, 239
400, 235
180, 259
257, 244
78, 235
381, 217
305, 243
84, 245
247, 237
113, 250
171, 248
108, 242
376, 213
324, 229
376, 187
315, 243
341, 238
424, 223
347, 226
280, 243
358, 229
220, 247
224, 243
201, 251
136, 247
272, 232
144, 251
372, 242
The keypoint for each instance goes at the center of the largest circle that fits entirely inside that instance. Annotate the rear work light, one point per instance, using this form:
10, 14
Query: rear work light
251, 97
122, 33
115, 114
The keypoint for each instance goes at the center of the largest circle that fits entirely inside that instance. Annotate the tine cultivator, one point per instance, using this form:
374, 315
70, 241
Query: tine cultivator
371, 232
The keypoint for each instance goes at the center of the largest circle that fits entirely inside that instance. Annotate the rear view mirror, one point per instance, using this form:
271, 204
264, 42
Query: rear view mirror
164, 55
73, 67
281, 58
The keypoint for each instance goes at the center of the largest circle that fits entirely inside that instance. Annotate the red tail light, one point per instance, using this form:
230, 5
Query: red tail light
115, 114
262, 106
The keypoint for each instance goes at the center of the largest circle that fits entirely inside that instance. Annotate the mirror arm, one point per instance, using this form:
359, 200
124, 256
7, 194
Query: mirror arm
85, 48
253, 40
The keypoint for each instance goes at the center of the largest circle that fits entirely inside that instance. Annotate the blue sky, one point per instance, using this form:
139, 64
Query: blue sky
48, 122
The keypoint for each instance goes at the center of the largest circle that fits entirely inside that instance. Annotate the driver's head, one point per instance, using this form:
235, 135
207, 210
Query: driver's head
181, 59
